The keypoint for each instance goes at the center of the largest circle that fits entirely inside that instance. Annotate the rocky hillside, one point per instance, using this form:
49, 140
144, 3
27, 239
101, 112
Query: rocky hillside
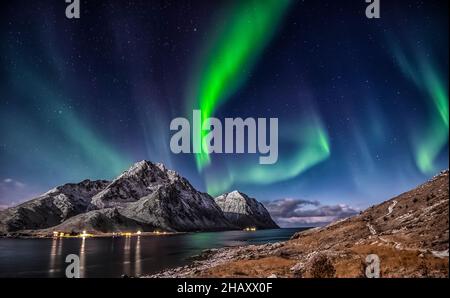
147, 196
178, 207
96, 221
51, 208
244, 211
409, 234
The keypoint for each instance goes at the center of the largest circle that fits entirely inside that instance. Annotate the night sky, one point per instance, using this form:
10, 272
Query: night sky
362, 103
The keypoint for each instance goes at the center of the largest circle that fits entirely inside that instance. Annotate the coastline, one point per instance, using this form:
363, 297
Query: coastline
408, 234
49, 233
25, 235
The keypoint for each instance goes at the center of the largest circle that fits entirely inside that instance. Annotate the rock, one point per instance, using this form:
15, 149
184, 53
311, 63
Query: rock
321, 267
272, 276
285, 253
298, 269
244, 211
276, 245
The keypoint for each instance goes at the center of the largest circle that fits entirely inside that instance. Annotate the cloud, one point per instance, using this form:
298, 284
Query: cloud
13, 191
9, 182
290, 212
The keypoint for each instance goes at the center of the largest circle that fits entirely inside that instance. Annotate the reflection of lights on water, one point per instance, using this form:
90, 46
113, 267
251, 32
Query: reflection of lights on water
53, 254
126, 255
137, 257
82, 257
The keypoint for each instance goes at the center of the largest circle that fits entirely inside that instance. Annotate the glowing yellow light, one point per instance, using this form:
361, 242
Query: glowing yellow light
84, 234
138, 233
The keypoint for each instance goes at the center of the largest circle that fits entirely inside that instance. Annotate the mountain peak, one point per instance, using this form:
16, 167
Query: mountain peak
235, 195
143, 165
244, 211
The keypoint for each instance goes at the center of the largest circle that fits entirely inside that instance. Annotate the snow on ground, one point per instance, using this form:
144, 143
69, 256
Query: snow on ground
371, 229
391, 207
440, 254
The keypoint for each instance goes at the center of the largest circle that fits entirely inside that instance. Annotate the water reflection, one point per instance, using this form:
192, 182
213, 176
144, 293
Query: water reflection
137, 257
126, 256
82, 257
53, 254
113, 257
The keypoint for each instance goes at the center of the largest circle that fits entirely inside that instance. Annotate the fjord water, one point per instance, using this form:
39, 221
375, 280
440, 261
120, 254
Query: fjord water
113, 257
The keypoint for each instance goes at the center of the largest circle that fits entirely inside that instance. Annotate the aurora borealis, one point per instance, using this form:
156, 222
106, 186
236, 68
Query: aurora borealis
362, 104
246, 30
429, 143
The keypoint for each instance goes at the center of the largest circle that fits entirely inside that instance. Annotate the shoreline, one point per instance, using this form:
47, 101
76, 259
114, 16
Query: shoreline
34, 234
23, 235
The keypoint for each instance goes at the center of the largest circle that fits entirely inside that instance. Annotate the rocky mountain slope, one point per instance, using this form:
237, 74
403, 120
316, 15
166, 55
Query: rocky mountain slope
142, 179
96, 221
147, 196
409, 234
51, 208
244, 212
178, 207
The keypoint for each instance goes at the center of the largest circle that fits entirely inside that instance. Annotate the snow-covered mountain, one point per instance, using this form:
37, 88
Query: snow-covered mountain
244, 211
142, 179
98, 221
51, 208
147, 196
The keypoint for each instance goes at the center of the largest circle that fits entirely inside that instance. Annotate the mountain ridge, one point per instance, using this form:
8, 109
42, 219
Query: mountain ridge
52, 207
147, 196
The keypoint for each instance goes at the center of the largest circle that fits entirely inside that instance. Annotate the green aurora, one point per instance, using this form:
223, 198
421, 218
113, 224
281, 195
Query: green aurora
249, 28
431, 140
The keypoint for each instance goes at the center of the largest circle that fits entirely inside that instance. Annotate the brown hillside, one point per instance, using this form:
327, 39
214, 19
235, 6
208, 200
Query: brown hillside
409, 233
